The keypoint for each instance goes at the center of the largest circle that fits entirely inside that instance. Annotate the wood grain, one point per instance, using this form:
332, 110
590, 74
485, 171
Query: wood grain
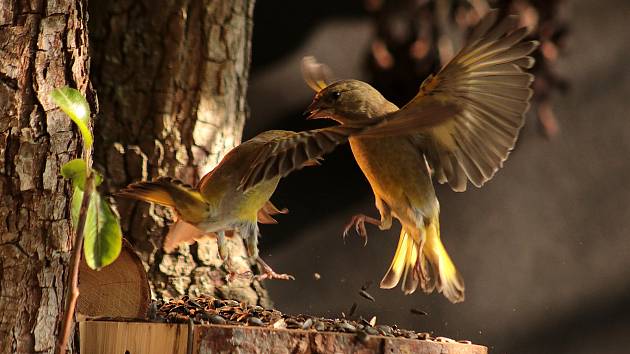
105, 337
100, 337
118, 290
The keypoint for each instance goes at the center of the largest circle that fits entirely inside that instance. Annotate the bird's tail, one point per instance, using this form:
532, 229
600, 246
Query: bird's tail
448, 281
185, 200
410, 264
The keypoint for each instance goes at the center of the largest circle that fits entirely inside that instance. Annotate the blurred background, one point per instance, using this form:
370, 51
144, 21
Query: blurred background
544, 247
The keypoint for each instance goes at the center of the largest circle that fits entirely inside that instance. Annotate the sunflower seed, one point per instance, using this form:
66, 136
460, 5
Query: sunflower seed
366, 295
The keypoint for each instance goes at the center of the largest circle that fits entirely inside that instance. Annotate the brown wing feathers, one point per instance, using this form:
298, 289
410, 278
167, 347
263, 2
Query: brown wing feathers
284, 154
488, 82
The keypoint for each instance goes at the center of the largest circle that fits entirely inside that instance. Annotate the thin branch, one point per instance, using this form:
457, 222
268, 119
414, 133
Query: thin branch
73, 288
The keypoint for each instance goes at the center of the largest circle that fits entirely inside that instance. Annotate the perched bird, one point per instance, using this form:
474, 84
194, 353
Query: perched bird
224, 199
487, 91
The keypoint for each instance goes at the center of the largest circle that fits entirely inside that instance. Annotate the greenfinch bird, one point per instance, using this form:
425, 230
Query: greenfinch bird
487, 91
225, 199
218, 205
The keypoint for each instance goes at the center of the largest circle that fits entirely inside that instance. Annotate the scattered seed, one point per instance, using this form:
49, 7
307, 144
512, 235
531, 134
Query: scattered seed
409, 334
352, 309
385, 330
208, 309
372, 331
216, 319
181, 309
347, 327
255, 321
424, 335
291, 323
307, 324
464, 341
320, 326
195, 304
280, 324
366, 295
317, 276
418, 312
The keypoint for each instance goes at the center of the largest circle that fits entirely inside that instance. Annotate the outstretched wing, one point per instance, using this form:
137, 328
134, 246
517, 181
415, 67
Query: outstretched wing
316, 75
486, 80
286, 151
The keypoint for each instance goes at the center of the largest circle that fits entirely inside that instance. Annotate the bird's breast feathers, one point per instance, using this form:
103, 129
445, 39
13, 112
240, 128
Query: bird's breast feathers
393, 166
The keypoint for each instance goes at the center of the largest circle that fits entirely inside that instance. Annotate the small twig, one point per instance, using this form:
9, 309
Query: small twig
75, 260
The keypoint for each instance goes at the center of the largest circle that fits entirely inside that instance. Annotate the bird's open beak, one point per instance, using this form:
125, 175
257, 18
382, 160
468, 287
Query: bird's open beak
315, 112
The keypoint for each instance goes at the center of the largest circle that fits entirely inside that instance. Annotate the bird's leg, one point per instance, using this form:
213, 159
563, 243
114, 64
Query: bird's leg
224, 255
269, 273
222, 246
358, 221
232, 275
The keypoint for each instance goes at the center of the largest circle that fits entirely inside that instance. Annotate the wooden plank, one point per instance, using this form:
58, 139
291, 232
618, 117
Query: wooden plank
212, 339
109, 337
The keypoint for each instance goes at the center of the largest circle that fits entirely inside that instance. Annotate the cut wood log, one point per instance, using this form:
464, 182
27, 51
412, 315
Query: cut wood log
118, 290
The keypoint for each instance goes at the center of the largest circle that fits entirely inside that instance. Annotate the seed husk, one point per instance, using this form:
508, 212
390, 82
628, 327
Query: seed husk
216, 319
418, 312
307, 324
255, 321
366, 295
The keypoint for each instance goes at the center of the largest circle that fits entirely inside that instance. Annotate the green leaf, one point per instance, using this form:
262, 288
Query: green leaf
102, 234
76, 107
75, 171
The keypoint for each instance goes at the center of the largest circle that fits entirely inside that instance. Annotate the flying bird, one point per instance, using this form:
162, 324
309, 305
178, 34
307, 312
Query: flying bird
480, 97
228, 199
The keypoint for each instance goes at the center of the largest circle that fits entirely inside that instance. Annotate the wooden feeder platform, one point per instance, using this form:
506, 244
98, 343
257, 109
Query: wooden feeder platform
116, 337
118, 317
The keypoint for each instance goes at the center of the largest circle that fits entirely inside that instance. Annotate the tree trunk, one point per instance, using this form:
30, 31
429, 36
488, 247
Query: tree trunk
42, 46
172, 81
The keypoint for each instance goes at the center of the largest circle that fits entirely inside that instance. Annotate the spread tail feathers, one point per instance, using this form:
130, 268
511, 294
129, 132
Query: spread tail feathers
265, 214
410, 264
186, 201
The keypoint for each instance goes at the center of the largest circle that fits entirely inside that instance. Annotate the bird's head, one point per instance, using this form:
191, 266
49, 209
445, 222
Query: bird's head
345, 101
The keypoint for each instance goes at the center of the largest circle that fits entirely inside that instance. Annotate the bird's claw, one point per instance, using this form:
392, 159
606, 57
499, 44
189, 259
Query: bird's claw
269, 273
273, 275
358, 221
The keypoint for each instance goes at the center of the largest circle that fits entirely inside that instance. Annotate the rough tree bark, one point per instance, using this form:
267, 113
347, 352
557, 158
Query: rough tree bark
172, 81
43, 45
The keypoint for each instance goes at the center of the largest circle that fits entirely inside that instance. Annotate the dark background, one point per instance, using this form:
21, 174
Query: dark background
544, 247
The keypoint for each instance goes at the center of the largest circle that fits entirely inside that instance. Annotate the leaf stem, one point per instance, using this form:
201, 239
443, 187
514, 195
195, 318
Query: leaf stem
75, 260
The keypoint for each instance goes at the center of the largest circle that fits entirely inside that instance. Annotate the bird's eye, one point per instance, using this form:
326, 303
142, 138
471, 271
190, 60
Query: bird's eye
335, 95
